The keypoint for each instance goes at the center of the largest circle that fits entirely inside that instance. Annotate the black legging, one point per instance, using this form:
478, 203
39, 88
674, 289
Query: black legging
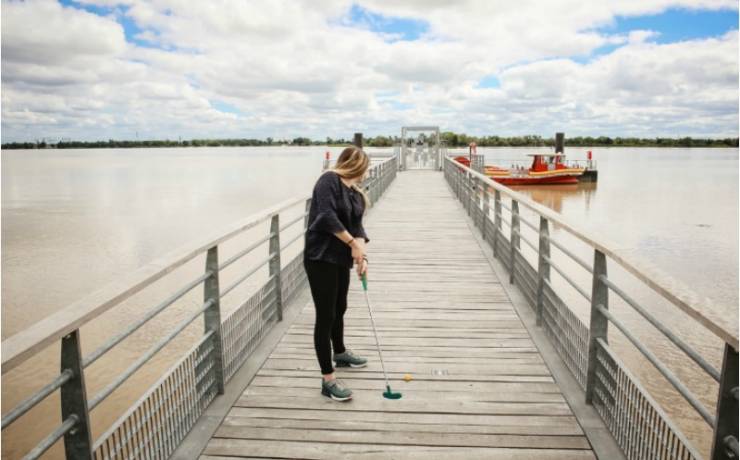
329, 285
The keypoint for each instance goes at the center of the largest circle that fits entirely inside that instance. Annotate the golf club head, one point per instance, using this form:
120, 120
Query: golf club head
388, 394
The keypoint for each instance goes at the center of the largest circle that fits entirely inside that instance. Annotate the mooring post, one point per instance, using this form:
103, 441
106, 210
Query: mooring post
514, 239
496, 220
275, 264
77, 441
543, 266
358, 140
212, 315
599, 324
724, 445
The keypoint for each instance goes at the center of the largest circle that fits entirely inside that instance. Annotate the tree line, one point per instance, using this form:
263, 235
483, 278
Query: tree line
448, 138
463, 140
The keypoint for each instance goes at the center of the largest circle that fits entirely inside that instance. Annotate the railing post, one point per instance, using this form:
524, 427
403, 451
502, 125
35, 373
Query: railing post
724, 445
475, 201
212, 315
305, 218
78, 441
599, 324
543, 267
384, 176
486, 211
496, 220
453, 179
461, 187
378, 183
514, 239
275, 264
374, 185
458, 185
469, 192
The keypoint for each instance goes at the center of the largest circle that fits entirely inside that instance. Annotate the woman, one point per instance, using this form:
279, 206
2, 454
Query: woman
335, 239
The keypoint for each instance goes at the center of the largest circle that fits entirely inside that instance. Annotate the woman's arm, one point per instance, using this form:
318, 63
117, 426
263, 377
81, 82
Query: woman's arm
361, 233
357, 244
324, 197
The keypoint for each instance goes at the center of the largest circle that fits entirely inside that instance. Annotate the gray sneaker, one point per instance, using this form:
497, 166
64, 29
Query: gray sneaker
336, 390
349, 359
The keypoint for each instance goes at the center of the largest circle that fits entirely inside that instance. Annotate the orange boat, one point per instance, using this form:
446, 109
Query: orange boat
547, 168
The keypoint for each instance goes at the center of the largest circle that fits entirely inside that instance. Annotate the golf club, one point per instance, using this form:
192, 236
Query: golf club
388, 394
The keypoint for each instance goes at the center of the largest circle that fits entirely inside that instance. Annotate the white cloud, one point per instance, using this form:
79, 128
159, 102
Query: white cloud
299, 68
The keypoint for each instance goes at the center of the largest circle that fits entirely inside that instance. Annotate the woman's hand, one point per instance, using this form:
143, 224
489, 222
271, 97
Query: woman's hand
358, 250
361, 268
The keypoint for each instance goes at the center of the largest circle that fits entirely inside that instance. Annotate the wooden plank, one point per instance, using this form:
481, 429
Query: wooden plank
441, 342
398, 376
414, 385
419, 368
432, 323
330, 451
534, 421
367, 400
405, 437
413, 394
427, 333
556, 428
310, 355
428, 352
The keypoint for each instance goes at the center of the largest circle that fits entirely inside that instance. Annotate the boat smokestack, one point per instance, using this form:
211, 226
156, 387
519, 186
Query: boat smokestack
559, 142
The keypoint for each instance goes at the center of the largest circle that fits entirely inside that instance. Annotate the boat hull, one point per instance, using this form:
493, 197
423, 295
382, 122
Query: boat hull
558, 176
555, 180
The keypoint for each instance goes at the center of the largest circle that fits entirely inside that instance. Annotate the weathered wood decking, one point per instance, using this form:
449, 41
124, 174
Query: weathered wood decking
480, 388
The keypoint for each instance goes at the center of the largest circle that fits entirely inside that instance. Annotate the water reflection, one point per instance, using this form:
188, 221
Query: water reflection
553, 196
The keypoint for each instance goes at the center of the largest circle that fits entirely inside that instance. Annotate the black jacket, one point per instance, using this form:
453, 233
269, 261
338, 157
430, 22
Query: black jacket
334, 207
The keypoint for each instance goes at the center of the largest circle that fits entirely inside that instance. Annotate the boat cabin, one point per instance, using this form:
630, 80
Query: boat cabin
547, 161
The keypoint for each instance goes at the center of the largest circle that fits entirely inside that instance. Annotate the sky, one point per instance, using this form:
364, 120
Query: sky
169, 69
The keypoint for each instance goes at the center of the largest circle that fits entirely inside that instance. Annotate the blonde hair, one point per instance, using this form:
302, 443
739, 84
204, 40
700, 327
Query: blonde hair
353, 163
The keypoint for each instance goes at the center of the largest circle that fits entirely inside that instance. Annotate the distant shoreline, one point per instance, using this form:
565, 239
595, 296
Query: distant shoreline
451, 140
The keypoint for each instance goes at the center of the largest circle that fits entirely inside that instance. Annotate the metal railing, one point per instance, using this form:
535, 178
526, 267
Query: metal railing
155, 425
638, 423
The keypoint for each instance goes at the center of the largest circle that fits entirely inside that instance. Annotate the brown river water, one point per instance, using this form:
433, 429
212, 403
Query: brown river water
75, 220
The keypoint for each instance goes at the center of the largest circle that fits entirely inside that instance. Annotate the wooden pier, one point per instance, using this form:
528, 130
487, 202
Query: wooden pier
479, 388
500, 366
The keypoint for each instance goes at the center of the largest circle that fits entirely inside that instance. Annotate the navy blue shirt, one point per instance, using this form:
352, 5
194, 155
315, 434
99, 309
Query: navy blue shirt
334, 207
